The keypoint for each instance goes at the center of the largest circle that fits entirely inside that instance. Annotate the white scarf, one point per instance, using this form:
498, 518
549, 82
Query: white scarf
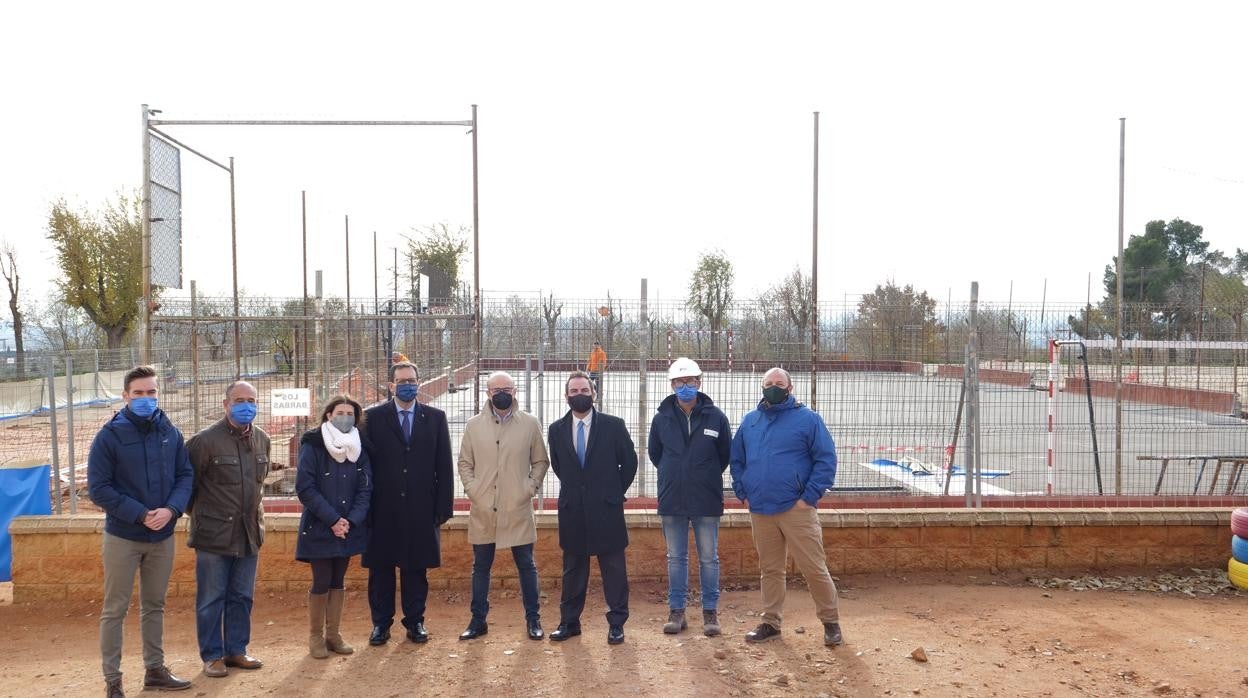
341, 446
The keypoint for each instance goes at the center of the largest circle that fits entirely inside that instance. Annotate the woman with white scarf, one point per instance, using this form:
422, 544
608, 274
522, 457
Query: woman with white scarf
335, 485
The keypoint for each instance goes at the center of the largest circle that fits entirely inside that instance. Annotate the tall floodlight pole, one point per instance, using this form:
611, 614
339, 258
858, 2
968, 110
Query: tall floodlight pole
238, 345
146, 315
346, 237
303, 209
1118, 263
814, 280
377, 361
476, 273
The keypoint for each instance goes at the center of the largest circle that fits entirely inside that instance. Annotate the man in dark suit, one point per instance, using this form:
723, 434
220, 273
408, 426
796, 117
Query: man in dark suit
595, 460
410, 449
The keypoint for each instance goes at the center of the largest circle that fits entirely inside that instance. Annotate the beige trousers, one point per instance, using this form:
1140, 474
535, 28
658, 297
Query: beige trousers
795, 531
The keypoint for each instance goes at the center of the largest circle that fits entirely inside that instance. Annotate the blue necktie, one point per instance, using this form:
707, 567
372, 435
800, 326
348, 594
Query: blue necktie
407, 424
580, 443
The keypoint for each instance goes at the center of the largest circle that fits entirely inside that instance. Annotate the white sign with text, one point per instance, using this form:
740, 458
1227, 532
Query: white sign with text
291, 402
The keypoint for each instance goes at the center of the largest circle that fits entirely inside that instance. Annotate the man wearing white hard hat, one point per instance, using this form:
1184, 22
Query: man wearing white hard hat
690, 444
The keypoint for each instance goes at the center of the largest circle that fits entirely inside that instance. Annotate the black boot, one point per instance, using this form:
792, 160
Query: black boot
832, 634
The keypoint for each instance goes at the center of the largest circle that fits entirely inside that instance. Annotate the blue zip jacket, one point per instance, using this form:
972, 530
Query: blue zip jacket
691, 454
782, 453
137, 465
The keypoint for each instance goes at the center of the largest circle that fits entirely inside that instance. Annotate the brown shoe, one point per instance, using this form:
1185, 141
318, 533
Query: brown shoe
215, 669
243, 661
162, 679
112, 689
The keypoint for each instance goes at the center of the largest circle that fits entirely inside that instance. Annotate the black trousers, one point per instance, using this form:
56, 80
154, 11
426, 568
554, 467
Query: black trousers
415, 592
576, 582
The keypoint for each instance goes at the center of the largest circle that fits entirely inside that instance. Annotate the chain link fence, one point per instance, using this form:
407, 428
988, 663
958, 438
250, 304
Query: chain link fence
888, 381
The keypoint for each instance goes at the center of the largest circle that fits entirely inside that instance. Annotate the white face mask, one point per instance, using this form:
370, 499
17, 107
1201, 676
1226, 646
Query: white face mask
343, 422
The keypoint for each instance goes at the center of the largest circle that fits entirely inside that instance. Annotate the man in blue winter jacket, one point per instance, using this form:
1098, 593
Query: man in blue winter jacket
689, 444
783, 460
139, 473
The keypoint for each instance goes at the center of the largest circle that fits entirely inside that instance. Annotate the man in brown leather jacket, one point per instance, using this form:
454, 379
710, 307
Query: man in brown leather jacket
231, 460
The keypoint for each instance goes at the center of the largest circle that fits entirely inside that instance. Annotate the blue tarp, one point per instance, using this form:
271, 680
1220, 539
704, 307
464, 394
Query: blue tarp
23, 491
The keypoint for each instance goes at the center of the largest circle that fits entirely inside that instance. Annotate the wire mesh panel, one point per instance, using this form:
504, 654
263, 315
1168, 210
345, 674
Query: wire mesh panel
888, 384
165, 166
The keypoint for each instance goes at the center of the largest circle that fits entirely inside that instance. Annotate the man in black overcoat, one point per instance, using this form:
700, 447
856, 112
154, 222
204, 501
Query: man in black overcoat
594, 457
410, 449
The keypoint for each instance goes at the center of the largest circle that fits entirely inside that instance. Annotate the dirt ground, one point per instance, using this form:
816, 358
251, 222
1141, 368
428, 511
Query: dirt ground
983, 636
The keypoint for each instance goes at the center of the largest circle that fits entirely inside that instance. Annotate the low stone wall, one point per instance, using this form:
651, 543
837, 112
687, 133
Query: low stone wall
57, 557
1206, 400
1017, 379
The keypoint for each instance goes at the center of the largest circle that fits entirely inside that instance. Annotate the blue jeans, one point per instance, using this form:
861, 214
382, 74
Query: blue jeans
706, 536
483, 559
224, 589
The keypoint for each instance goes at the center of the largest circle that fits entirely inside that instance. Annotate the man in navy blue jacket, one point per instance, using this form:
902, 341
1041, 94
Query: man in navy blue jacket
138, 472
689, 444
783, 460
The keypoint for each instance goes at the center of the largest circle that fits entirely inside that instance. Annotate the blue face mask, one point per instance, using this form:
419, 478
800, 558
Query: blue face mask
241, 413
686, 393
405, 392
143, 406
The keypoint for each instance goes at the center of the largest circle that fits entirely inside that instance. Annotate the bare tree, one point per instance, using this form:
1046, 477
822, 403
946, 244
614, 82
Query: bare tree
60, 327
8, 266
613, 319
551, 312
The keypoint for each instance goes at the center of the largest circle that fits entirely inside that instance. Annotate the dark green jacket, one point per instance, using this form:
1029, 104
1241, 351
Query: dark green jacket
227, 512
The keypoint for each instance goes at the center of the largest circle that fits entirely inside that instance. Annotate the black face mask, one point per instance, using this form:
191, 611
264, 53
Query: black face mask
501, 400
774, 394
581, 403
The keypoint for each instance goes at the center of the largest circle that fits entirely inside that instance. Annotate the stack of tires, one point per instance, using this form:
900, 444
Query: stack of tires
1237, 566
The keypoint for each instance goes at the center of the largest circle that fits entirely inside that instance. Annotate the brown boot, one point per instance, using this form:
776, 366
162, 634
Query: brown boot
316, 625
333, 615
161, 679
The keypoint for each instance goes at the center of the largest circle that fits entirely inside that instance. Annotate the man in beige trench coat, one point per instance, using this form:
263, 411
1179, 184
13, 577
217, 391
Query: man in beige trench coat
502, 461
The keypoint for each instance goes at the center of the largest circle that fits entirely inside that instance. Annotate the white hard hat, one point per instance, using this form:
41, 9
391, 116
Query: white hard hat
683, 368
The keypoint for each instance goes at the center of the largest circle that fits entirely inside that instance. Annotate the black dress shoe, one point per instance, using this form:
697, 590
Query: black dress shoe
763, 633
615, 636
380, 635
565, 631
418, 633
535, 629
474, 631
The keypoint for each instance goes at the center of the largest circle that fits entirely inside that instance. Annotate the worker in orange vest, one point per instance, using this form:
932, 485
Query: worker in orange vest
597, 364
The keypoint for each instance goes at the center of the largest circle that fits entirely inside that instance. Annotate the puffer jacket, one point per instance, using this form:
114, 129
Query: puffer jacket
691, 452
782, 453
329, 491
137, 465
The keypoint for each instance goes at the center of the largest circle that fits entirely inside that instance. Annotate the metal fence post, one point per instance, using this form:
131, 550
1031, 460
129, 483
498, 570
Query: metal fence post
643, 371
194, 359
973, 492
56, 451
528, 383
69, 423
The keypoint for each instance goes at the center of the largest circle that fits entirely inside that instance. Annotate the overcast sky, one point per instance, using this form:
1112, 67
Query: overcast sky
960, 141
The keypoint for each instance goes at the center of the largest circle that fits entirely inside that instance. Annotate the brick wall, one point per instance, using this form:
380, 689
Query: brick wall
1206, 400
56, 557
1017, 379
